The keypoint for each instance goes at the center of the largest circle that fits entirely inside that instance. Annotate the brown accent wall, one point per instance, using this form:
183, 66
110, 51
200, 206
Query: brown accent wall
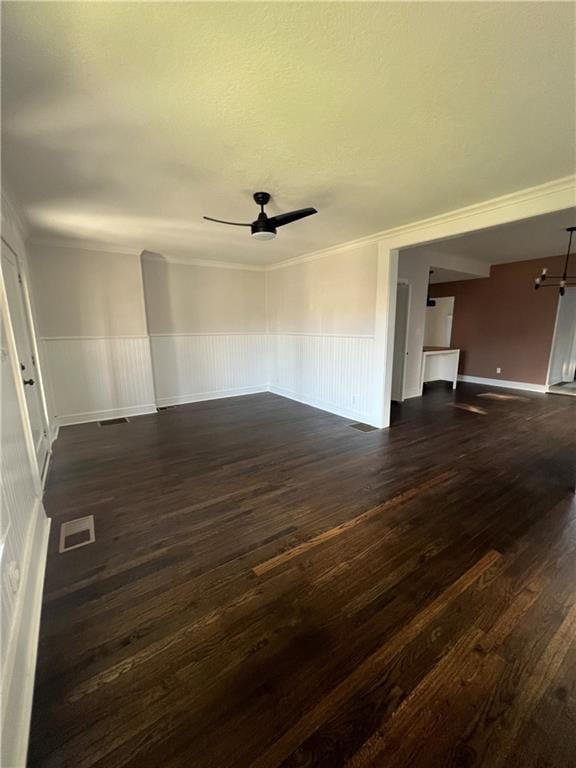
501, 321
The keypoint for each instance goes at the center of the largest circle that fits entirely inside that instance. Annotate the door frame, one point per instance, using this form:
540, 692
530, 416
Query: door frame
403, 281
20, 265
12, 354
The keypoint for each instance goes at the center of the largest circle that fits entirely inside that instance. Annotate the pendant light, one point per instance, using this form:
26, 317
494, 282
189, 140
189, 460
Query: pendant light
544, 281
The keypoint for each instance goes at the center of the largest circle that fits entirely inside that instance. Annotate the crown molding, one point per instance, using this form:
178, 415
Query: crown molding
83, 245
167, 258
563, 188
100, 247
15, 212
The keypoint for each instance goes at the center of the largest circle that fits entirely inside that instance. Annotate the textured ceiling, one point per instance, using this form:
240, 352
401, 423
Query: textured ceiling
124, 123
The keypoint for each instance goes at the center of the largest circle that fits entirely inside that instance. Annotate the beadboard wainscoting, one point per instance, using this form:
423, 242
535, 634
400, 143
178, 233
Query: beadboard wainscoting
95, 378
325, 371
192, 367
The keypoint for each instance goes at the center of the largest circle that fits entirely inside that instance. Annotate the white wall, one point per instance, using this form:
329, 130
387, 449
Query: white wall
321, 318
207, 327
331, 295
415, 268
23, 535
563, 354
92, 324
188, 298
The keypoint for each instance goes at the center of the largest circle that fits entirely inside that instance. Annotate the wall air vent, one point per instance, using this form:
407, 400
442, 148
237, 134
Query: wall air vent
362, 427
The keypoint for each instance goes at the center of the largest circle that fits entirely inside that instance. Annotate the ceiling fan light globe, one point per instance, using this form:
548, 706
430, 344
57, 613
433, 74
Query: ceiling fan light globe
263, 234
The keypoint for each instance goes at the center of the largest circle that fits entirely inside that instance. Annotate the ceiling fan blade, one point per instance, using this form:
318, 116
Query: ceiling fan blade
288, 218
219, 221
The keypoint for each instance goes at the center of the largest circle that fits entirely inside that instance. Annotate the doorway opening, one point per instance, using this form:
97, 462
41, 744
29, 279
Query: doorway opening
403, 291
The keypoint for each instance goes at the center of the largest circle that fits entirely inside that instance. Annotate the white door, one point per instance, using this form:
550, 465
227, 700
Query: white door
22, 525
562, 366
21, 324
400, 338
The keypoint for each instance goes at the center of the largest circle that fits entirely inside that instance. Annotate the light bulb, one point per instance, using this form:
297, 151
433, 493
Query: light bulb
263, 235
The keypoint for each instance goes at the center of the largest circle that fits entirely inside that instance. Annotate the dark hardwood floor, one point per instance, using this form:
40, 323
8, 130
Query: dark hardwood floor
270, 587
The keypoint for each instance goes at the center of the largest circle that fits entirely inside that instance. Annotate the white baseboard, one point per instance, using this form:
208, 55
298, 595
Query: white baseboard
502, 383
412, 393
113, 413
219, 394
18, 676
321, 404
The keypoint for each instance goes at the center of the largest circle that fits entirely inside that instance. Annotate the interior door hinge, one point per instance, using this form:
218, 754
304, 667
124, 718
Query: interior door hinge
33, 360
19, 278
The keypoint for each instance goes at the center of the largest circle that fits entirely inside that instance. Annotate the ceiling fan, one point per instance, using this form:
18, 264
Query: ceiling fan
264, 227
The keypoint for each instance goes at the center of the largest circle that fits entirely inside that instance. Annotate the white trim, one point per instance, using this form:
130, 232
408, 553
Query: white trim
214, 395
18, 680
46, 465
166, 258
320, 404
410, 393
265, 333
557, 194
113, 413
384, 327
91, 338
14, 212
83, 245
502, 383
102, 247
323, 335
208, 333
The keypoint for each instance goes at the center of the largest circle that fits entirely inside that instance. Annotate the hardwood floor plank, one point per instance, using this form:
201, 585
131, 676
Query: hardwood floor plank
401, 498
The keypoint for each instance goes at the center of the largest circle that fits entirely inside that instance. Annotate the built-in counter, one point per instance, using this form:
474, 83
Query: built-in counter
439, 364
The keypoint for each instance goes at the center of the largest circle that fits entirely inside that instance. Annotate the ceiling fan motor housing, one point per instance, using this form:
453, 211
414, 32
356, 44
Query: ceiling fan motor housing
262, 229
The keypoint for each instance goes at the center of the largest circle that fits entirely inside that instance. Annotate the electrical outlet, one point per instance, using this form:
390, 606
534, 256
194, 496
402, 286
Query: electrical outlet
498, 370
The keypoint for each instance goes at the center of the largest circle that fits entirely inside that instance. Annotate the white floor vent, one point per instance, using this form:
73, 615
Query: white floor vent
76, 533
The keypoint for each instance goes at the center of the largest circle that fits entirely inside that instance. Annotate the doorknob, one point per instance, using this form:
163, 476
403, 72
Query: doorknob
29, 382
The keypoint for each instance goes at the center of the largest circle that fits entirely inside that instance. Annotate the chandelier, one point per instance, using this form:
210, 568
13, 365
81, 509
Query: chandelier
544, 281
